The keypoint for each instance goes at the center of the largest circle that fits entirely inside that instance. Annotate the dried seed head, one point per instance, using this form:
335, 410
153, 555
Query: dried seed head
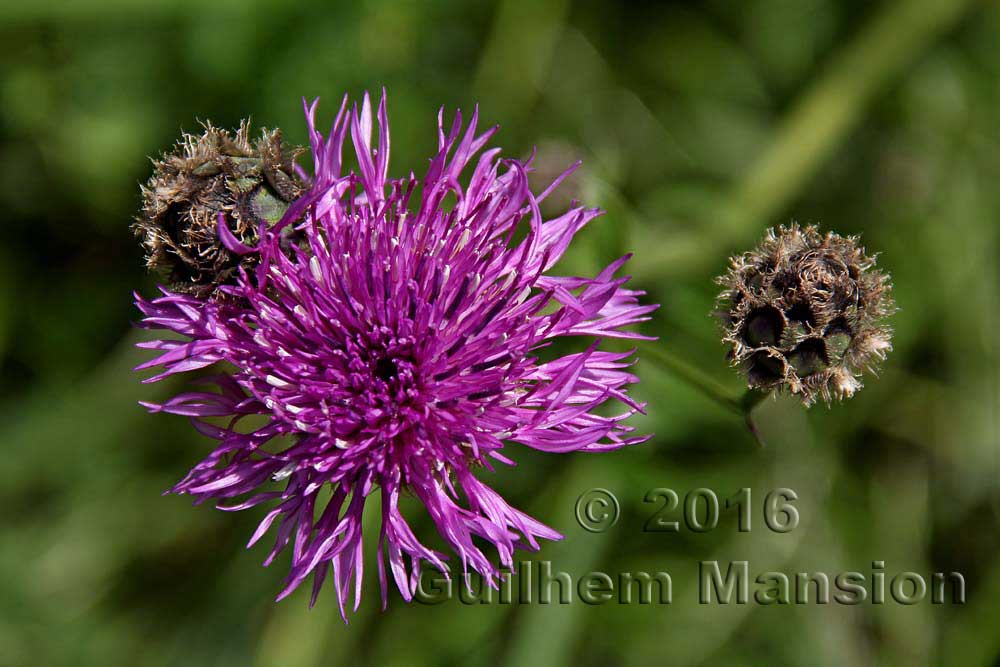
804, 313
203, 176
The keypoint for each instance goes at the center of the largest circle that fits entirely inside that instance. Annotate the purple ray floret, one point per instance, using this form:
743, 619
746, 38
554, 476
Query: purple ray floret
398, 348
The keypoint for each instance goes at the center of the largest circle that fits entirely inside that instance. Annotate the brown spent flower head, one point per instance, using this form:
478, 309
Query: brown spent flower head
804, 313
204, 175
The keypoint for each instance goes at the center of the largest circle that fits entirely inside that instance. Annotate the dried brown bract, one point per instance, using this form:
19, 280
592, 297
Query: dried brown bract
804, 313
251, 181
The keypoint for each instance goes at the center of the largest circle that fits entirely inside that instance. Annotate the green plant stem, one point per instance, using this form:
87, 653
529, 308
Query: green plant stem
697, 379
750, 400
694, 377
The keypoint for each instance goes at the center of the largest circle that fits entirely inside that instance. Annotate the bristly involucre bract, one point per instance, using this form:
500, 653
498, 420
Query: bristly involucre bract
804, 312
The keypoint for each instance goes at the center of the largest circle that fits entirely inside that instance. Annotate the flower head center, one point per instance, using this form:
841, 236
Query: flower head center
386, 369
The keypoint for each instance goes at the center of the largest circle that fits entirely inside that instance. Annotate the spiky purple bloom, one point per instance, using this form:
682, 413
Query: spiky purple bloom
397, 350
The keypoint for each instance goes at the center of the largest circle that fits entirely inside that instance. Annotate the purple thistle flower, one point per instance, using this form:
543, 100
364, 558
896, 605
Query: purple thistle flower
398, 350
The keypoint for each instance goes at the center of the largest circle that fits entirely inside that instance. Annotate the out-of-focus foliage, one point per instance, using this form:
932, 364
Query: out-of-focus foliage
700, 125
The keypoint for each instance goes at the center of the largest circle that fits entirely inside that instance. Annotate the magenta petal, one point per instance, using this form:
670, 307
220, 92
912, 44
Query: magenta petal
229, 240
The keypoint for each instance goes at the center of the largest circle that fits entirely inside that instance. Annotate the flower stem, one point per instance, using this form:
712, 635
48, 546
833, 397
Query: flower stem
750, 400
696, 378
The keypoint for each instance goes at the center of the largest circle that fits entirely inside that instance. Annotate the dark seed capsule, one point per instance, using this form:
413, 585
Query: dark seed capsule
250, 181
804, 313
763, 327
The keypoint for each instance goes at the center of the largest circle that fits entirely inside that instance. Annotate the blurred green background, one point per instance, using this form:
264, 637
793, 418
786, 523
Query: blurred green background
700, 124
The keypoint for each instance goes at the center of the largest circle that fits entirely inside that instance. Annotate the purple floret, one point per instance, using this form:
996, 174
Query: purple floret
397, 348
